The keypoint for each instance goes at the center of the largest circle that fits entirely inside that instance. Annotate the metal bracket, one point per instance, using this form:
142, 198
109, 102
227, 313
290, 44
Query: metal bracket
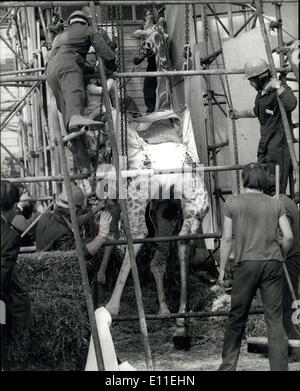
34, 154
276, 24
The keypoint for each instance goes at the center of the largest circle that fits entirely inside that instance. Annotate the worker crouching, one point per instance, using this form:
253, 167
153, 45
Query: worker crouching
54, 230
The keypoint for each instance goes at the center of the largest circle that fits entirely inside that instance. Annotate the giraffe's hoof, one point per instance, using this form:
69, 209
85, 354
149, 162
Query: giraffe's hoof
164, 311
112, 309
181, 340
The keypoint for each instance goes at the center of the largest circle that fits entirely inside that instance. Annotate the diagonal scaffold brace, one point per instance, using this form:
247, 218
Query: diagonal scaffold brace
120, 185
80, 252
288, 135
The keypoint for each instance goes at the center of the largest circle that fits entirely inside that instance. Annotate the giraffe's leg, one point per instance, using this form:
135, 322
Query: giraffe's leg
158, 269
115, 211
136, 206
181, 338
164, 217
195, 205
101, 275
113, 306
183, 254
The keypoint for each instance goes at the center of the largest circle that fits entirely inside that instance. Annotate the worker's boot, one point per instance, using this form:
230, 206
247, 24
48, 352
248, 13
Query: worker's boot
78, 121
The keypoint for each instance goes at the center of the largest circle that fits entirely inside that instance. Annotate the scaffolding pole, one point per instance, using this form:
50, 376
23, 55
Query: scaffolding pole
131, 173
211, 123
52, 4
120, 185
120, 75
80, 252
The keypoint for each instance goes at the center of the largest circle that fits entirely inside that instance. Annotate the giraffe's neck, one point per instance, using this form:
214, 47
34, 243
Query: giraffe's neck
163, 87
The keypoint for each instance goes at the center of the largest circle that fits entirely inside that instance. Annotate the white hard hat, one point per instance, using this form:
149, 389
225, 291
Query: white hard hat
77, 16
255, 67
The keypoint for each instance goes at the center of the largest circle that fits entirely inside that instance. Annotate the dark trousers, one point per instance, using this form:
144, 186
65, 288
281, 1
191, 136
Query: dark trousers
65, 77
248, 277
281, 157
293, 267
6, 336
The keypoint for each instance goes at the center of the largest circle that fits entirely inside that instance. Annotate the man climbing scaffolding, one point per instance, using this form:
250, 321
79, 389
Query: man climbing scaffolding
65, 74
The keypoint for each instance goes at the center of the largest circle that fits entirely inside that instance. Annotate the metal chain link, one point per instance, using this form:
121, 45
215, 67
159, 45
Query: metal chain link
112, 21
187, 48
120, 65
187, 24
228, 98
98, 146
123, 88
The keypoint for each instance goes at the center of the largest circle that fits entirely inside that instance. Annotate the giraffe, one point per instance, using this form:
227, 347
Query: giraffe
154, 46
188, 188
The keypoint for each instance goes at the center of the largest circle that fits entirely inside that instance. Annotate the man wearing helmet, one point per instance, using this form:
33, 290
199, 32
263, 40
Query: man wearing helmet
65, 75
273, 148
54, 230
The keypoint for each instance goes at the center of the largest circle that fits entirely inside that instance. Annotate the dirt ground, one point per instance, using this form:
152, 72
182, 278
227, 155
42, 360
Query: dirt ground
206, 340
199, 358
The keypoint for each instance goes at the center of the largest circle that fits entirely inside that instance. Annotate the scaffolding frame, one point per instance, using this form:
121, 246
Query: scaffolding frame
43, 133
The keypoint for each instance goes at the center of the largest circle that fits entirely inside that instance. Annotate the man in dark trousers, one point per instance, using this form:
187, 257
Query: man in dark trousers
292, 262
253, 218
273, 148
54, 230
65, 74
14, 298
293, 268
66, 67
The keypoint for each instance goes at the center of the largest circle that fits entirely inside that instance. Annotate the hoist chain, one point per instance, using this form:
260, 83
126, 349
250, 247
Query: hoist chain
121, 66
230, 107
99, 21
206, 29
187, 24
112, 21
187, 53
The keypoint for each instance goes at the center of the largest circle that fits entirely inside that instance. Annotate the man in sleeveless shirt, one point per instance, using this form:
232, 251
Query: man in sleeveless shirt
254, 218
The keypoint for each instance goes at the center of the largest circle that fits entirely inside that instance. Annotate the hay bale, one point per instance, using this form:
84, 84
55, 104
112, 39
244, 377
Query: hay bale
59, 339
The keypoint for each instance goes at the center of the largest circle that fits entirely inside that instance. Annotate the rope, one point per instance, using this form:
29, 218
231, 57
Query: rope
228, 98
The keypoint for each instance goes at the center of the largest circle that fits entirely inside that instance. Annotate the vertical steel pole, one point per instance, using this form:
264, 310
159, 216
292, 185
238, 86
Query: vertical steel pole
212, 126
79, 248
288, 279
120, 185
